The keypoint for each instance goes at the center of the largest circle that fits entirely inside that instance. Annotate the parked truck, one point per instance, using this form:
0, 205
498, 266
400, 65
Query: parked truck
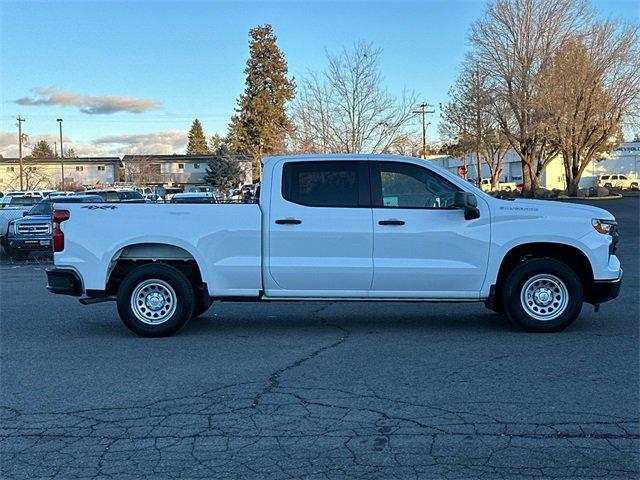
340, 227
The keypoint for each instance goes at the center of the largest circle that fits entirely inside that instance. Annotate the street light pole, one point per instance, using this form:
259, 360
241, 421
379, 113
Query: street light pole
20, 120
59, 120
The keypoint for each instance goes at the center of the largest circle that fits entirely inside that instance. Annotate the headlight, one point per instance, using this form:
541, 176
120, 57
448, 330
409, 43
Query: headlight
603, 226
12, 227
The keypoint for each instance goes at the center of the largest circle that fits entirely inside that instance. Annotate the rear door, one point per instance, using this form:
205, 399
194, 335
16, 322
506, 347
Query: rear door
320, 229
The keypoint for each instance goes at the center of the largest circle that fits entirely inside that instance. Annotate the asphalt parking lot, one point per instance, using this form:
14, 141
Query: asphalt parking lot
319, 390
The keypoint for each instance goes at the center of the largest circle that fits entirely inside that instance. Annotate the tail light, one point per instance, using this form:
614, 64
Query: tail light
57, 218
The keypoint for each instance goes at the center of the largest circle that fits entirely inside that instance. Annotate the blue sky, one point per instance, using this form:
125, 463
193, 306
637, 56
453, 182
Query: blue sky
188, 59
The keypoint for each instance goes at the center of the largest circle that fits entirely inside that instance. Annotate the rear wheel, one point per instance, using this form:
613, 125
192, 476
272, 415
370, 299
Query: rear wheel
634, 186
155, 300
542, 295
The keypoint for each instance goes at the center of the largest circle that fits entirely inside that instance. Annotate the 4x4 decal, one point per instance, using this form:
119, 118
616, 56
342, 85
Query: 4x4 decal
101, 207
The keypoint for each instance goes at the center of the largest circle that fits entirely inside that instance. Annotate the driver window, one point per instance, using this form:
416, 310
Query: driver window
406, 185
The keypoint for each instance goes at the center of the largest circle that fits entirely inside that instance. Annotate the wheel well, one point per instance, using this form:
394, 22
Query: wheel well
133, 256
571, 256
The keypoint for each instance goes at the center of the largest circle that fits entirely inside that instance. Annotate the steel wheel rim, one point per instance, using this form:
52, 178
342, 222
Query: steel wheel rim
544, 297
153, 301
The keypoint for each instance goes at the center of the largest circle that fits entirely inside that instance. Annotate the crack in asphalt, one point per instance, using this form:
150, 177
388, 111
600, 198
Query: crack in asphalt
274, 379
296, 431
274, 430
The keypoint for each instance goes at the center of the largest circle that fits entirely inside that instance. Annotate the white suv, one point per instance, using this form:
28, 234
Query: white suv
618, 181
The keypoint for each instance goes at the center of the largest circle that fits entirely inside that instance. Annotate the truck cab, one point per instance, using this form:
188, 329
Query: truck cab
341, 227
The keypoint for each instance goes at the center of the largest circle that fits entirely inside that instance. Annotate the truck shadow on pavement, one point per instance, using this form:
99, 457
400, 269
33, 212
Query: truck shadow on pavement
358, 321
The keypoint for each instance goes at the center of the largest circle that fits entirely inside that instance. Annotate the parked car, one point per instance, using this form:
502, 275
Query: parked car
234, 195
219, 194
118, 195
32, 232
347, 227
61, 193
12, 206
618, 181
194, 197
18, 199
502, 186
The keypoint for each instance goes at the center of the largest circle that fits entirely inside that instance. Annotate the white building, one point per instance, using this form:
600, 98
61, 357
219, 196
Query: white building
46, 173
624, 159
174, 170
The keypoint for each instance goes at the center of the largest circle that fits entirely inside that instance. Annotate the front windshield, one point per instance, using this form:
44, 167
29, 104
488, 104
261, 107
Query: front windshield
42, 208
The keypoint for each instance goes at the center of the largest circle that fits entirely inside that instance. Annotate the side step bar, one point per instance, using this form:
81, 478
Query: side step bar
92, 300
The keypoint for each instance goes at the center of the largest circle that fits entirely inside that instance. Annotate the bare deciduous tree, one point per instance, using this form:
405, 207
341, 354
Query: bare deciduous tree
514, 41
590, 87
347, 108
33, 178
470, 124
142, 171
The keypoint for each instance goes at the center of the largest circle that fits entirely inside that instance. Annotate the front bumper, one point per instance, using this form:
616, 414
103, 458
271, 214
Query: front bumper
63, 282
31, 244
605, 290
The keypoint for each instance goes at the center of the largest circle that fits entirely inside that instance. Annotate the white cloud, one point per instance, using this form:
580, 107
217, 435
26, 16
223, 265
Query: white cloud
92, 105
157, 143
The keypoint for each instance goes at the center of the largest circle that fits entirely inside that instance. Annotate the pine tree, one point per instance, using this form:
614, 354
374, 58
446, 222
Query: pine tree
261, 124
42, 150
197, 141
223, 171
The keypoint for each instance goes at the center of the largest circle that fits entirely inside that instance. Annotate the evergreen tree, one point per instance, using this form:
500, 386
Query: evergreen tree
197, 141
42, 150
261, 124
223, 171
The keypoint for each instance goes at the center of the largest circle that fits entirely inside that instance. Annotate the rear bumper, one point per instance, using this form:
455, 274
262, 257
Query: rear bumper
605, 290
63, 282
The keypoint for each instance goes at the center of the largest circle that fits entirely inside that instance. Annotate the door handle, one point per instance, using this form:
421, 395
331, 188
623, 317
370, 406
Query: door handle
391, 222
288, 221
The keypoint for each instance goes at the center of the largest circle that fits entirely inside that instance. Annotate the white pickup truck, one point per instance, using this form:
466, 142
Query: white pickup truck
340, 227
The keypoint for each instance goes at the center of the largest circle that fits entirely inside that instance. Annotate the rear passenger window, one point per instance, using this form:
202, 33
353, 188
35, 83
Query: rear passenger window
321, 184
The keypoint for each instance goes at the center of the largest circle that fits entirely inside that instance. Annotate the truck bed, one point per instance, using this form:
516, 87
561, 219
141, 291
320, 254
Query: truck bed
224, 239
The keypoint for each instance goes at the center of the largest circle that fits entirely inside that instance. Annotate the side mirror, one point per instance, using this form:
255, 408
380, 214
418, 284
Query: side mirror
469, 203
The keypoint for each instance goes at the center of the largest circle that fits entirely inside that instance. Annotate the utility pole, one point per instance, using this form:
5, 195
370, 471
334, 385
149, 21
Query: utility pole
20, 120
423, 111
59, 120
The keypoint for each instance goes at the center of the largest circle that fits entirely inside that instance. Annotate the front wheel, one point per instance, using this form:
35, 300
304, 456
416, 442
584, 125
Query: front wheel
155, 300
542, 295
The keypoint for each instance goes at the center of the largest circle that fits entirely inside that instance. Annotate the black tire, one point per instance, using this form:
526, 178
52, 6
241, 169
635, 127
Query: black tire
633, 186
179, 303
607, 185
18, 255
565, 297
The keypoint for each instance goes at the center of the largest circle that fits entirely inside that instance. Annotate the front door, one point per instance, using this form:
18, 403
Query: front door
423, 246
320, 230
